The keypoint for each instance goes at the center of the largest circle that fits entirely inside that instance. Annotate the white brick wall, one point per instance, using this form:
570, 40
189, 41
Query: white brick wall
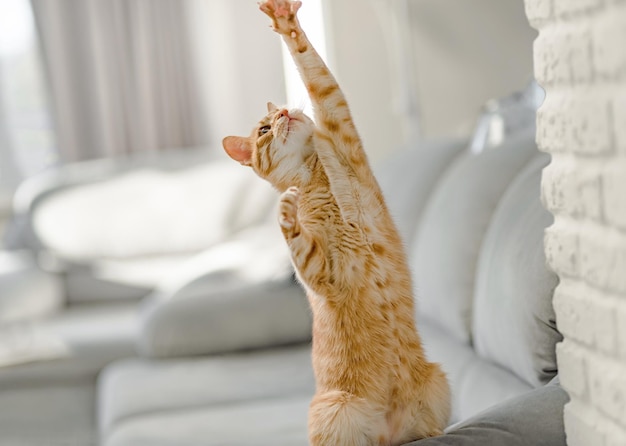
580, 60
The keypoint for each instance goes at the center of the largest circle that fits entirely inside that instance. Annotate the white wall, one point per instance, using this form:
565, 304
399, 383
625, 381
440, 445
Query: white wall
581, 62
359, 59
240, 63
467, 53
464, 53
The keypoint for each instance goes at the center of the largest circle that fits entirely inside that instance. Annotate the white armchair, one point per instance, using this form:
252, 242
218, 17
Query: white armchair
113, 229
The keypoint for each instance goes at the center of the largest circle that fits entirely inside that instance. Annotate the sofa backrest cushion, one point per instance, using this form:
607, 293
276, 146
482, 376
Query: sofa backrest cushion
408, 177
514, 321
445, 251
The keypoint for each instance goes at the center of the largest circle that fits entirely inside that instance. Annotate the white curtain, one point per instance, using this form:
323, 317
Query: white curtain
26, 141
8, 167
120, 74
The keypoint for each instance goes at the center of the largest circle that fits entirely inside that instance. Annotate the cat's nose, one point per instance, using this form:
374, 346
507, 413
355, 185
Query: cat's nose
283, 112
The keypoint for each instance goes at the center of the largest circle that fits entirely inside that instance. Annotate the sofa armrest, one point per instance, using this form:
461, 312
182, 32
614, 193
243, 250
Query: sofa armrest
34, 190
27, 292
85, 172
239, 295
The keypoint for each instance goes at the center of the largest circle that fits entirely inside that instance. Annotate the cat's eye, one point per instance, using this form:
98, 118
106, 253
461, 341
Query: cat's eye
263, 130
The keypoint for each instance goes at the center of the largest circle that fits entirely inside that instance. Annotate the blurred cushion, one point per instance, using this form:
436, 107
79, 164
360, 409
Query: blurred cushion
446, 247
238, 295
145, 212
514, 321
226, 318
408, 177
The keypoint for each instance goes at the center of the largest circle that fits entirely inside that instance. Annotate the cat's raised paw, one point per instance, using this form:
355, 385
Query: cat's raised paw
288, 210
282, 13
280, 8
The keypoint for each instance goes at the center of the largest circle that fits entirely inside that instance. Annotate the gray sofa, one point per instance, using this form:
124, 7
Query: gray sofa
222, 343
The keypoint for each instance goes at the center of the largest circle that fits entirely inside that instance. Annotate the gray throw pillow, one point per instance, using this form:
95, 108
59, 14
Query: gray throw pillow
514, 321
532, 419
448, 240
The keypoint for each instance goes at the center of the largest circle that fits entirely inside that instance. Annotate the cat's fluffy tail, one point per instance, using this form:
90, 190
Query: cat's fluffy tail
341, 418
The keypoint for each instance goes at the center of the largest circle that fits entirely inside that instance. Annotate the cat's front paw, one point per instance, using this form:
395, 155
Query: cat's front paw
283, 14
288, 209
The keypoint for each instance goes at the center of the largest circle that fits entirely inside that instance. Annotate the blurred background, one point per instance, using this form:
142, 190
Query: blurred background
84, 80
164, 81
116, 194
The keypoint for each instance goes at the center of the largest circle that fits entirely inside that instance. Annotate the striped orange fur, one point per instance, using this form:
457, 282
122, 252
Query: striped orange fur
374, 385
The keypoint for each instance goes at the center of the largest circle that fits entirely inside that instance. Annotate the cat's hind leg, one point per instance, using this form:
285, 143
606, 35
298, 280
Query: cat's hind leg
425, 408
341, 418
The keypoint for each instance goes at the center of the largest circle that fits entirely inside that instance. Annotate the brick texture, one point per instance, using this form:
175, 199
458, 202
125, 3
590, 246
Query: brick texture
582, 426
588, 316
538, 11
610, 59
619, 118
580, 60
573, 8
569, 190
614, 189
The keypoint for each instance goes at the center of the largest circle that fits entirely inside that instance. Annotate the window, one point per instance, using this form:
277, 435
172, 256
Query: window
26, 134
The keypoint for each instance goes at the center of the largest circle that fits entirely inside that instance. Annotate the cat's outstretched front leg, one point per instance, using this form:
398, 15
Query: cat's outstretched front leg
306, 251
329, 105
337, 141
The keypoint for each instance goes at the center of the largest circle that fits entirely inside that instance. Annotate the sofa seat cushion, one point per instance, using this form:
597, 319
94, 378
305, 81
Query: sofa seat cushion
514, 321
261, 422
48, 414
49, 397
448, 240
136, 388
132, 391
532, 419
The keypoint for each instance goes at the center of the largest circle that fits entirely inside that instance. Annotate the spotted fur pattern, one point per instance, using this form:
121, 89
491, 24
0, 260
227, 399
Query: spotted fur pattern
374, 385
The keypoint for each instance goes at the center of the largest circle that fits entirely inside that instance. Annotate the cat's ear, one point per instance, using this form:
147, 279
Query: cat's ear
271, 108
238, 148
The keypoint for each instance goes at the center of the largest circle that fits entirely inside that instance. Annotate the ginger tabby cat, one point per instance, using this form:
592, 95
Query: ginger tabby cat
374, 385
